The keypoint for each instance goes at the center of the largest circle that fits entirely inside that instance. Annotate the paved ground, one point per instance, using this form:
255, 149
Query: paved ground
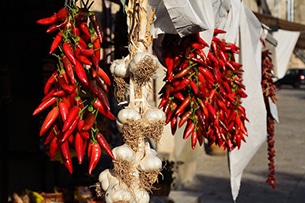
212, 180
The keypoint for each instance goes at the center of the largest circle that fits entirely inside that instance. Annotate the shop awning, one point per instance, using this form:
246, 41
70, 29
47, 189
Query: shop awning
276, 23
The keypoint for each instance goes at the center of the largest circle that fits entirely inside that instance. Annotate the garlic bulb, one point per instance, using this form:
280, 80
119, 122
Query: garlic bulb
128, 113
105, 178
150, 161
119, 68
141, 195
154, 114
138, 57
116, 193
123, 152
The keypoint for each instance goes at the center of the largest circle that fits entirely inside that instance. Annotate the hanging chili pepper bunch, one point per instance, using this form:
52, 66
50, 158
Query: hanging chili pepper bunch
76, 92
269, 91
204, 92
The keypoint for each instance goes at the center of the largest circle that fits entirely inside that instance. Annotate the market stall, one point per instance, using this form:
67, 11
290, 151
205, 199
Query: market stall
192, 75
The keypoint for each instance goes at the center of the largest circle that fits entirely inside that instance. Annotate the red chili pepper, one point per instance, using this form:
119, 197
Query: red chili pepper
89, 121
63, 110
100, 107
81, 73
200, 136
163, 102
197, 45
182, 84
68, 66
85, 30
174, 124
85, 134
62, 14
95, 62
73, 113
96, 43
66, 155
63, 83
59, 93
45, 104
102, 83
171, 112
189, 129
79, 147
56, 41
104, 144
219, 31
100, 93
96, 25
87, 52
194, 138
80, 43
183, 105
83, 59
68, 133
194, 87
179, 96
207, 74
229, 65
56, 27
185, 117
183, 72
53, 147
104, 75
51, 80
169, 63
49, 120
48, 20
94, 156
68, 50
52, 133
79, 102
240, 125
200, 40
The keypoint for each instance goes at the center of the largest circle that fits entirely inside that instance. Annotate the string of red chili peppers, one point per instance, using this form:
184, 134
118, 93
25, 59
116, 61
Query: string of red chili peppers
269, 91
204, 92
76, 93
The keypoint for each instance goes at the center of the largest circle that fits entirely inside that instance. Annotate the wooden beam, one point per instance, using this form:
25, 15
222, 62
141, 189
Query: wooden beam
284, 25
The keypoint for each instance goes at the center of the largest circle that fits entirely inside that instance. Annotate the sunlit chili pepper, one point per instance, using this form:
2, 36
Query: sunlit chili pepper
72, 115
66, 156
184, 118
81, 73
56, 27
79, 147
94, 155
53, 148
100, 107
183, 105
45, 104
48, 20
104, 144
68, 132
51, 80
189, 129
174, 124
49, 120
68, 50
56, 41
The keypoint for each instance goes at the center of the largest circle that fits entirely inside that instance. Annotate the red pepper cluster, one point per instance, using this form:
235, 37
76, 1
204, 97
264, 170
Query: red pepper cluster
204, 91
269, 91
77, 91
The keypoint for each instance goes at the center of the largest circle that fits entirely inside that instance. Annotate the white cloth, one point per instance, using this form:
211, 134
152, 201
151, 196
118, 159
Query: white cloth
286, 43
250, 57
